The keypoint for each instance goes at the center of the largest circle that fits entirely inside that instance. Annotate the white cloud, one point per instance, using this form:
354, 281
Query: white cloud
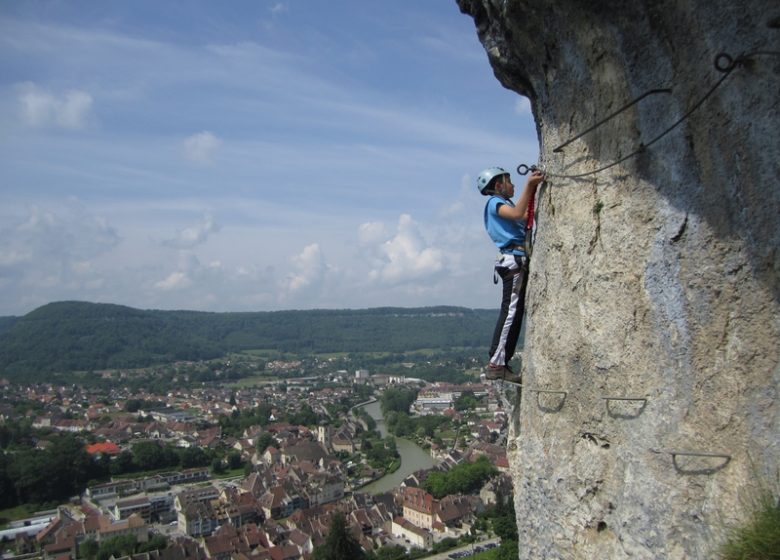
64, 234
174, 280
406, 256
193, 236
201, 147
278, 8
371, 234
361, 151
49, 254
40, 108
309, 269
75, 108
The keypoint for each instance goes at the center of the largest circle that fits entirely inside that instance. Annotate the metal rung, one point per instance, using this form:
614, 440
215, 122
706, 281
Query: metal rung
687, 470
700, 454
538, 392
624, 414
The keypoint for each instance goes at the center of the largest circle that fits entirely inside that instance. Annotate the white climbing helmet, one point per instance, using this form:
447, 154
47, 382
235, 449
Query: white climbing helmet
488, 175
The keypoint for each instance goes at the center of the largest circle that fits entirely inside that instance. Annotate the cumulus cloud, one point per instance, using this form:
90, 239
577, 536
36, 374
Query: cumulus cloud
191, 273
40, 108
201, 147
309, 269
193, 236
406, 256
176, 279
371, 234
69, 233
49, 254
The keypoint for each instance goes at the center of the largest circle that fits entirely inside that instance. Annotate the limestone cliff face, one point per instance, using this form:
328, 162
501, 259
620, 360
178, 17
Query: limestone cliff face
655, 280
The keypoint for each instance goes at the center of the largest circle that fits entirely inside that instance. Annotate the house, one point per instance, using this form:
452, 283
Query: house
418, 537
272, 456
63, 534
301, 541
134, 526
103, 448
275, 503
455, 511
342, 441
322, 488
496, 454
132, 506
198, 519
418, 507
284, 552
202, 494
305, 451
497, 489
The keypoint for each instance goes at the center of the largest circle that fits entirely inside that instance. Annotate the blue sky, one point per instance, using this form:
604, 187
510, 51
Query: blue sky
248, 156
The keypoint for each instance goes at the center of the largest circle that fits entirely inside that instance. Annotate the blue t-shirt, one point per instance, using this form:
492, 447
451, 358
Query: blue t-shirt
503, 232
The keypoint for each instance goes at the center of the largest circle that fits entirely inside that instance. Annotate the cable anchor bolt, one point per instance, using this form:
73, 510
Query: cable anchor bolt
524, 169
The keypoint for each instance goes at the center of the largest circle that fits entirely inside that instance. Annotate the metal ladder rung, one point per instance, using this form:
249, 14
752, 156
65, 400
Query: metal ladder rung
562, 394
627, 412
675, 453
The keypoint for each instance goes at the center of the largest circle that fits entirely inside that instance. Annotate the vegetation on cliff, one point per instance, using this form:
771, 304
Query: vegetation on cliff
759, 537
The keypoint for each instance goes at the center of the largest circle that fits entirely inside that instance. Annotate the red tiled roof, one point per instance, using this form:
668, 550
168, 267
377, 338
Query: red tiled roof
106, 447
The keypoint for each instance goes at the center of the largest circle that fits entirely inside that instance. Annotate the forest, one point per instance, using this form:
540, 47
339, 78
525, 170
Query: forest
82, 336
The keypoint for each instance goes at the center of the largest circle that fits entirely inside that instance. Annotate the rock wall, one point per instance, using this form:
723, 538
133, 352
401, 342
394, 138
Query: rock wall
655, 280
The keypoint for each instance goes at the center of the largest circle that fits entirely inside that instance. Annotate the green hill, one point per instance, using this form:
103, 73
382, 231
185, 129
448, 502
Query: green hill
72, 336
6, 323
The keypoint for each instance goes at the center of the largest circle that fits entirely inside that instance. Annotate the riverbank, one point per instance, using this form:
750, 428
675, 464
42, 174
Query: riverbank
413, 457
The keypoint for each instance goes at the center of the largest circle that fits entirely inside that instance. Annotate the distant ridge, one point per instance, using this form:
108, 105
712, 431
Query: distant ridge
71, 335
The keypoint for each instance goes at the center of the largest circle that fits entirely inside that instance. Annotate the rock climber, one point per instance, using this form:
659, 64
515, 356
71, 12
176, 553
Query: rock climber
505, 222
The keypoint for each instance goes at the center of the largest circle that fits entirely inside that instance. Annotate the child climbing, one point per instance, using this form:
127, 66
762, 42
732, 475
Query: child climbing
505, 222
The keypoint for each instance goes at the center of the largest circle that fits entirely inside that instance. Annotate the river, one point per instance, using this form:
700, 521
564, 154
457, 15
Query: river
413, 457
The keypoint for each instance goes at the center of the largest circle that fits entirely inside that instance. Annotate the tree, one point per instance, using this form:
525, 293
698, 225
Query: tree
123, 463
339, 544
466, 401
264, 441
157, 542
88, 549
150, 455
397, 399
504, 520
507, 551
117, 546
390, 553
234, 460
190, 457
463, 478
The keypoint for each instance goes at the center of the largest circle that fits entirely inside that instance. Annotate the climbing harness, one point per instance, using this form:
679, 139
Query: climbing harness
723, 63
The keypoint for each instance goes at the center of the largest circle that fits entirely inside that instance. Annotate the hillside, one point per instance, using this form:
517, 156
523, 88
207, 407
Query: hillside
67, 336
6, 323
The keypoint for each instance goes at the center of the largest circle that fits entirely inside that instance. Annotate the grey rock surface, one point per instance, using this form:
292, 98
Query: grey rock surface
656, 279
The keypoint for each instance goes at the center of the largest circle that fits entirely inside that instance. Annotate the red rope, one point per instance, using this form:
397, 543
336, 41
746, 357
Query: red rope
529, 214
